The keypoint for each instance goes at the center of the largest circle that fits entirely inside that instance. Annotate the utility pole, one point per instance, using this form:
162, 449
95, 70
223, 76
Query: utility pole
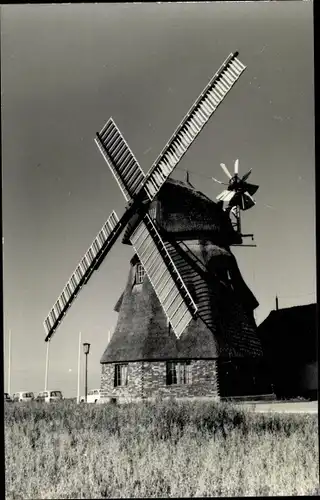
47, 364
277, 303
9, 363
79, 367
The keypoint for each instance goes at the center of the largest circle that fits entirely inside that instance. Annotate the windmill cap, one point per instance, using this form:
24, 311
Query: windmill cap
185, 212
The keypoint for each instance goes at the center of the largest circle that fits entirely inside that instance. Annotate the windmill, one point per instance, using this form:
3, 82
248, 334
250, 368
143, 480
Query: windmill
237, 196
158, 256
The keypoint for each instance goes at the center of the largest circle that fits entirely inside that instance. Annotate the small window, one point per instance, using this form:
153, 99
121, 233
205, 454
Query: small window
120, 375
224, 277
178, 372
140, 273
153, 213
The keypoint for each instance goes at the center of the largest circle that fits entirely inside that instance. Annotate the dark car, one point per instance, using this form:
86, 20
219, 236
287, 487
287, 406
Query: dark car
7, 397
49, 396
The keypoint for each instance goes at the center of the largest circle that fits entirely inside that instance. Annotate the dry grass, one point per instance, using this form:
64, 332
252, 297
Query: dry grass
164, 449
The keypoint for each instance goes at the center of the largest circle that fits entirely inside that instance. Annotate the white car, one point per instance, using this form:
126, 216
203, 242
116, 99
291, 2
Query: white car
23, 396
93, 396
49, 396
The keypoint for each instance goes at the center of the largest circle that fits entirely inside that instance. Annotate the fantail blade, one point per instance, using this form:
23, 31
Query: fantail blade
216, 180
251, 188
226, 195
247, 201
236, 167
226, 171
245, 177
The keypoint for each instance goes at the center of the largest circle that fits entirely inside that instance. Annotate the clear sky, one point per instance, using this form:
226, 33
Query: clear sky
65, 70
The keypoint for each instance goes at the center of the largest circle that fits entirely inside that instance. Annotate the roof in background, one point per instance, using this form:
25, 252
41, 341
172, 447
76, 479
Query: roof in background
291, 332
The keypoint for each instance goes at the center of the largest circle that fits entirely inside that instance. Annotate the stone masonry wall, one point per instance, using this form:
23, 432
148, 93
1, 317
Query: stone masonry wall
131, 391
147, 380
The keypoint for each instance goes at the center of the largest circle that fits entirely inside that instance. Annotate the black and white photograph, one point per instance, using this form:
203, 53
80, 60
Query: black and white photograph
159, 250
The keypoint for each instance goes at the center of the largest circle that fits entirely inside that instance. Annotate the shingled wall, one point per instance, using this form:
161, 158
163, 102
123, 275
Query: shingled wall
147, 379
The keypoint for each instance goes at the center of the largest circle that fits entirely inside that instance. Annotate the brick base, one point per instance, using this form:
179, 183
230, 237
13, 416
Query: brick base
147, 380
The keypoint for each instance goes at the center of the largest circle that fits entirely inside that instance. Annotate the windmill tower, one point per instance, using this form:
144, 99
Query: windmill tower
185, 310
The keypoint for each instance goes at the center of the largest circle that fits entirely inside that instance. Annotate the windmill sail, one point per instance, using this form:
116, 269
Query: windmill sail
167, 283
190, 127
90, 261
120, 159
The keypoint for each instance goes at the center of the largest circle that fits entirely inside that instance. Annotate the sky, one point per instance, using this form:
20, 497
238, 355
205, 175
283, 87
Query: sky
65, 70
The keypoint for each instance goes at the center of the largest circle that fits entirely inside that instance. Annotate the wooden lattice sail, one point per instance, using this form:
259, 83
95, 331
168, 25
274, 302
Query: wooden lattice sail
136, 186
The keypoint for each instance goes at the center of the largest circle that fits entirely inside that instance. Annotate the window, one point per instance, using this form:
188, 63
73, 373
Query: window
153, 212
120, 375
178, 372
140, 272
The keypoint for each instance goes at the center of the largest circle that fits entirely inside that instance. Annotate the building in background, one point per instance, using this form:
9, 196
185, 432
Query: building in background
289, 342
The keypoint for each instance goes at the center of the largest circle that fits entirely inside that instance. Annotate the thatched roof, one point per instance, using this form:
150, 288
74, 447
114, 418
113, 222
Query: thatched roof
182, 211
290, 333
225, 326
142, 333
118, 303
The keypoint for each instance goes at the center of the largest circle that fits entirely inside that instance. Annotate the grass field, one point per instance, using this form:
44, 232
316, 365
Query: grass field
164, 449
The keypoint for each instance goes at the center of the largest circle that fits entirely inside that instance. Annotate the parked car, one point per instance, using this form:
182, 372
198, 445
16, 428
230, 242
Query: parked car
93, 396
7, 397
23, 396
49, 396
